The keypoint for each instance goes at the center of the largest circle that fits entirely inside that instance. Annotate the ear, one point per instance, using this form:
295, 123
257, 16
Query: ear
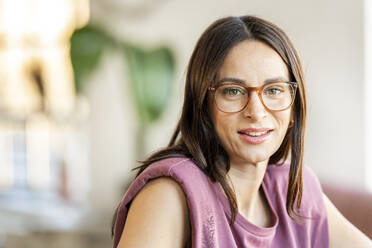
291, 123
291, 120
211, 106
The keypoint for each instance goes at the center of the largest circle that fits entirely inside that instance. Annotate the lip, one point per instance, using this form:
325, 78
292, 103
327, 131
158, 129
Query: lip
262, 129
255, 140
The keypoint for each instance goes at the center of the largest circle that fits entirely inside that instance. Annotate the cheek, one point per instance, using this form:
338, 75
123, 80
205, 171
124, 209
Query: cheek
284, 116
223, 124
283, 119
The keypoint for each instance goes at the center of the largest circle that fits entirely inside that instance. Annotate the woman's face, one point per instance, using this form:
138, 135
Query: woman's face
255, 133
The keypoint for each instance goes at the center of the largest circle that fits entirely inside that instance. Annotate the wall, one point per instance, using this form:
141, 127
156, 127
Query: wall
367, 90
329, 37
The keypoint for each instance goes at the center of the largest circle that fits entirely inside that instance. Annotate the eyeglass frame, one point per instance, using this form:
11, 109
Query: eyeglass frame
259, 93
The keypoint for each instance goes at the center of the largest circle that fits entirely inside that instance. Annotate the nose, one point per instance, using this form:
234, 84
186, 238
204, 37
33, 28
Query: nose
255, 110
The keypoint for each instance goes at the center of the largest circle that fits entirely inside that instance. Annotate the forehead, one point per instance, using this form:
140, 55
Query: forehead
253, 62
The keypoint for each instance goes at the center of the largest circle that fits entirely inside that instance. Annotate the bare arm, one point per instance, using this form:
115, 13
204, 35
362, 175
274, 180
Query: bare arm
342, 233
157, 217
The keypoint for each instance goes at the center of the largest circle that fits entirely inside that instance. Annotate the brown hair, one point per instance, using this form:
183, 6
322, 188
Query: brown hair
195, 136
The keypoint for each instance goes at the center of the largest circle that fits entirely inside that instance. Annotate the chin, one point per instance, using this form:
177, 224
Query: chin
254, 158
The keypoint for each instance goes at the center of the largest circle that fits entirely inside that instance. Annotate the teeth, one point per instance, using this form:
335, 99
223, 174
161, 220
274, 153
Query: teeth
255, 134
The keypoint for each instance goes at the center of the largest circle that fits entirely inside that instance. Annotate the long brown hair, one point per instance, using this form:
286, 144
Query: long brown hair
195, 136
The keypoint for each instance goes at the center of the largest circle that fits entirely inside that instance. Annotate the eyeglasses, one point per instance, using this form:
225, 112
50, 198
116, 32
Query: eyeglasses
275, 96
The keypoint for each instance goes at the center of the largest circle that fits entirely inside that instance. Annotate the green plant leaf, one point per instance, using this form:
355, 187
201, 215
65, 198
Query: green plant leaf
151, 74
87, 45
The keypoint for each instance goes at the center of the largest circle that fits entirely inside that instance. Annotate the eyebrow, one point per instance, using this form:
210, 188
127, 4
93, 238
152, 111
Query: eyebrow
241, 81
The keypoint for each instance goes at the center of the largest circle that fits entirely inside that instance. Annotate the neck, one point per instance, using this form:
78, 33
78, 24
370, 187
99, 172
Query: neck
246, 180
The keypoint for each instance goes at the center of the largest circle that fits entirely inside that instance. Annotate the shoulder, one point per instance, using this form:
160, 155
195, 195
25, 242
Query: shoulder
312, 193
165, 189
182, 170
165, 195
161, 188
280, 174
164, 166
168, 167
157, 217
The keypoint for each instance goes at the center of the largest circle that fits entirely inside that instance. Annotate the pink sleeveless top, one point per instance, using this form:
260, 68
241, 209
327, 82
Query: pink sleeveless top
210, 211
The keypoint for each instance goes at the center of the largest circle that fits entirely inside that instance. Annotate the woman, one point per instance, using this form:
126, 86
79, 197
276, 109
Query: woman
223, 181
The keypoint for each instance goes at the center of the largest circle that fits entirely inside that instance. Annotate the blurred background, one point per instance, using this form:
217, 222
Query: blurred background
89, 87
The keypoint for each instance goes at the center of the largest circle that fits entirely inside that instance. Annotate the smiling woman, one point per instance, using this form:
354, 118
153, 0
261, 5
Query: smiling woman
252, 125
224, 179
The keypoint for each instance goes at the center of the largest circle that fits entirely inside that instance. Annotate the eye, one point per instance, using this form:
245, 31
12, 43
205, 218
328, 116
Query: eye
273, 91
232, 91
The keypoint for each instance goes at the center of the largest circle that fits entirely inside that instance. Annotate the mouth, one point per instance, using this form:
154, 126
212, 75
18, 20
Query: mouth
255, 135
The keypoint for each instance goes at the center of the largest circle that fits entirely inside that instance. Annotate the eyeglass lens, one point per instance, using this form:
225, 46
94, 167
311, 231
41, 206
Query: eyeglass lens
233, 98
